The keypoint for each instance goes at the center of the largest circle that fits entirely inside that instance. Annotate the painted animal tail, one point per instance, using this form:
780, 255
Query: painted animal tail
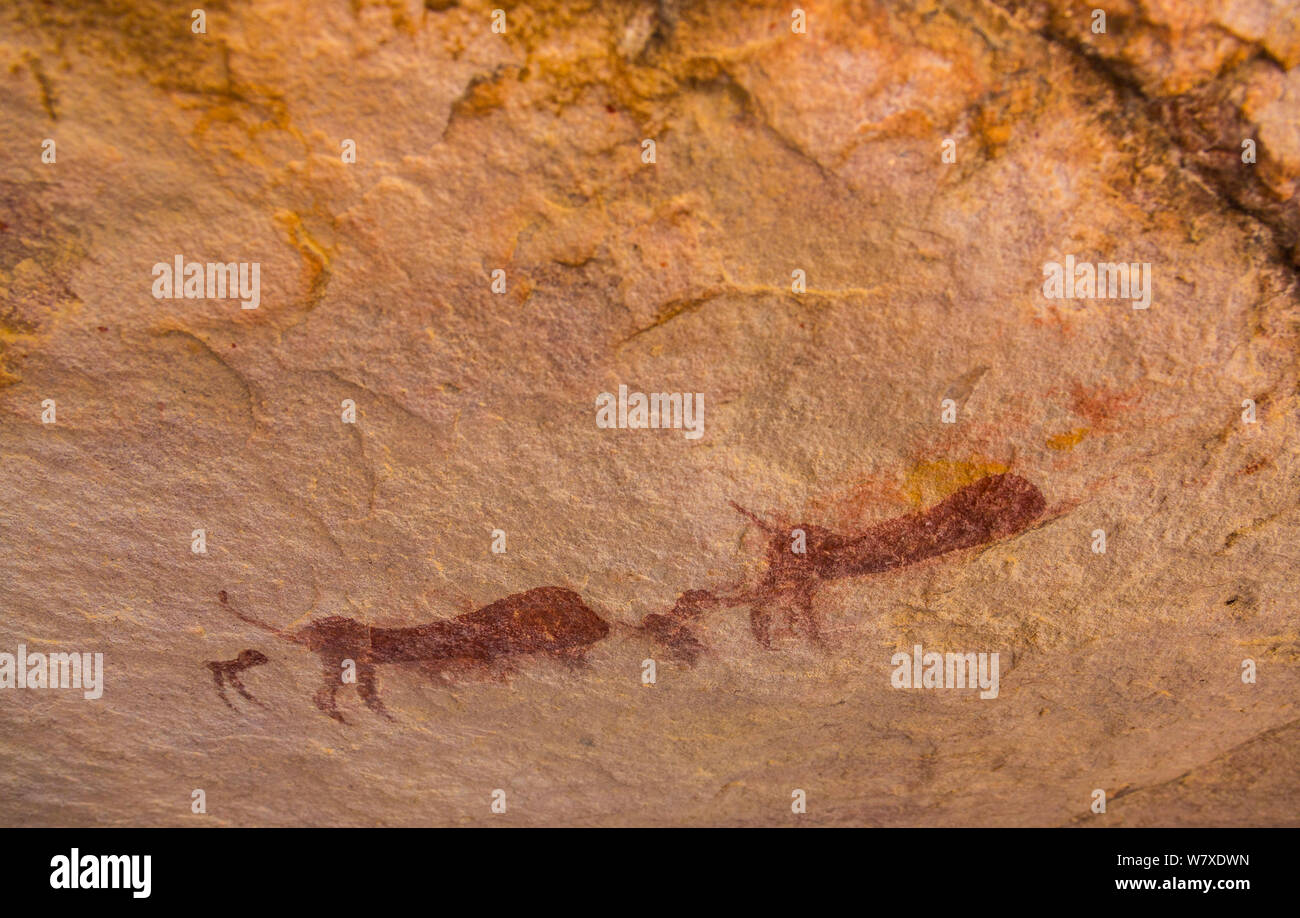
225, 601
766, 527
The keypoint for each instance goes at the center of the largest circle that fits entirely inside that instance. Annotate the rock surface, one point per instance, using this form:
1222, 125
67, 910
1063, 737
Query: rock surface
774, 152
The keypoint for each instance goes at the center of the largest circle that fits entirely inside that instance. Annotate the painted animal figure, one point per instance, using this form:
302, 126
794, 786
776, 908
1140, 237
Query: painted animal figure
674, 629
546, 620
226, 672
986, 510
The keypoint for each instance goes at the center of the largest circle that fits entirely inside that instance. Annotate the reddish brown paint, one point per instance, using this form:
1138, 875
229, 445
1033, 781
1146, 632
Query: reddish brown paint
555, 621
1100, 405
226, 672
991, 508
1253, 467
549, 620
673, 629
986, 510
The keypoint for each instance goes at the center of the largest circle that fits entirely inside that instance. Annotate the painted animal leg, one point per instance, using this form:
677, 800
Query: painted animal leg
239, 687
368, 688
760, 622
324, 696
219, 678
804, 605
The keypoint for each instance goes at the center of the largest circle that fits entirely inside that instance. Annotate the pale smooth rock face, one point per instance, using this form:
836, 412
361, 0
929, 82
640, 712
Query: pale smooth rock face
419, 445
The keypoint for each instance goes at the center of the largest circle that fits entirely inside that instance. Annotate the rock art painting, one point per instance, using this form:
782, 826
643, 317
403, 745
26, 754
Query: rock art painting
554, 620
548, 620
636, 413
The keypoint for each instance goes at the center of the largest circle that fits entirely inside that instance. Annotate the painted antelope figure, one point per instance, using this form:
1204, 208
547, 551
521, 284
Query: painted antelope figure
986, 510
546, 620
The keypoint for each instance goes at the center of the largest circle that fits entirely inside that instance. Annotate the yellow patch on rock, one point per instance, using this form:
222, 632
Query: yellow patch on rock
928, 483
1067, 441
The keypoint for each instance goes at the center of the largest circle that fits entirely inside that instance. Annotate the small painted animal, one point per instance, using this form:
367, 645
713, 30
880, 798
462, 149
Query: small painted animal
227, 672
991, 508
546, 620
673, 629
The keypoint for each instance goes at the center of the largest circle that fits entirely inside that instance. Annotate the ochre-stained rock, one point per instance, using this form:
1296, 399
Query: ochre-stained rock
946, 439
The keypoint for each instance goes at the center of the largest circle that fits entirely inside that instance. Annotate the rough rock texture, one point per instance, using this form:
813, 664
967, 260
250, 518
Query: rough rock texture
775, 151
